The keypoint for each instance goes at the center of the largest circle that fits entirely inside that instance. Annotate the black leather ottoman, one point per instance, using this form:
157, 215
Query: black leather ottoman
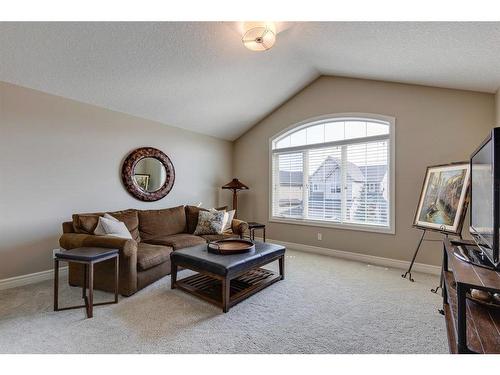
226, 280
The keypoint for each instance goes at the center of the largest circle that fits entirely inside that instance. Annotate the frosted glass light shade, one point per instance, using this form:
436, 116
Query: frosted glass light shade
259, 36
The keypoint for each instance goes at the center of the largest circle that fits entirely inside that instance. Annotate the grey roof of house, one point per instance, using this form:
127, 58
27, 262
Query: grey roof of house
331, 163
375, 172
358, 174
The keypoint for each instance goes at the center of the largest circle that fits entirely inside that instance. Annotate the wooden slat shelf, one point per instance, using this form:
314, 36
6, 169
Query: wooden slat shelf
473, 342
450, 329
210, 290
482, 323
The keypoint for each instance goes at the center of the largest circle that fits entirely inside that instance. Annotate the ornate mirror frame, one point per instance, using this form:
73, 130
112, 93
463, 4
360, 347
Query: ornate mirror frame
130, 183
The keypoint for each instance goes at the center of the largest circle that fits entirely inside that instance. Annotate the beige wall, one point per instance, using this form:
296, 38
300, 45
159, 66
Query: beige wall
59, 156
433, 126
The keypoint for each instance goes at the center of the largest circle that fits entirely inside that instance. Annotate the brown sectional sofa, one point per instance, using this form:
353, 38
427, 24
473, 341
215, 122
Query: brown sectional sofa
145, 258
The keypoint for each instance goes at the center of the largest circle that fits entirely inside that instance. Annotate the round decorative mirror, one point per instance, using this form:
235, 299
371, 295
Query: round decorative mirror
148, 174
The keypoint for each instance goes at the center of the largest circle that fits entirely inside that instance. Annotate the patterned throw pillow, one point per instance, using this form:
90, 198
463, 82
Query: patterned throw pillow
210, 222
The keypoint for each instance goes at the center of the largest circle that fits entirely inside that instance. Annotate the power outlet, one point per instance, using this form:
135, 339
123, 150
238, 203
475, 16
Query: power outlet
320, 236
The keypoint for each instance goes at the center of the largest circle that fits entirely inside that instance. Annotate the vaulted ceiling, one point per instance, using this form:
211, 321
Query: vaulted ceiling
198, 75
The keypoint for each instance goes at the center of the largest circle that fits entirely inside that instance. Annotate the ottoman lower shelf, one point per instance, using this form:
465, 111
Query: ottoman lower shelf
241, 287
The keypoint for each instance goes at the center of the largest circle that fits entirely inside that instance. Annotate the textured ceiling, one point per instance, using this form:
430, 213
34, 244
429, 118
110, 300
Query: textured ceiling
198, 75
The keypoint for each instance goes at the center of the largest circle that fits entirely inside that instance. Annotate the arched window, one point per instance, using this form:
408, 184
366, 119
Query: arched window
335, 171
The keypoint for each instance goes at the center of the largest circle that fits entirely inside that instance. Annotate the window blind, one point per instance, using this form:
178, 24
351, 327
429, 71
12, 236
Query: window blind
346, 183
289, 188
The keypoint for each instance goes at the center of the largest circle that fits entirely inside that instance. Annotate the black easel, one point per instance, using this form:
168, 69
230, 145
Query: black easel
408, 272
442, 228
413, 259
440, 286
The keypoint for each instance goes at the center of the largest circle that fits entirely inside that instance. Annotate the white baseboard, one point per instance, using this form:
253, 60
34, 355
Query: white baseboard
31, 278
370, 259
364, 258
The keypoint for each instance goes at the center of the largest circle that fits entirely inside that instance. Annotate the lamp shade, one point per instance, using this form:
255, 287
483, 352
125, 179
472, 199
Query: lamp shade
259, 36
235, 184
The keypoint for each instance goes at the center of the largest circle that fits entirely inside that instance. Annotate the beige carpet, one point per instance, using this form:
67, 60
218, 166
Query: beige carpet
325, 305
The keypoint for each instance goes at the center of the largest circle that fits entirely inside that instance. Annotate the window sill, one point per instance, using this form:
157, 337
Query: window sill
322, 224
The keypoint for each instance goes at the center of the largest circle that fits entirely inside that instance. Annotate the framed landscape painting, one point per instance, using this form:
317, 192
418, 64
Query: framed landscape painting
444, 197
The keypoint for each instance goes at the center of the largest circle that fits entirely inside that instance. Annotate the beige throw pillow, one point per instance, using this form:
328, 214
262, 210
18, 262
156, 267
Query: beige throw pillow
228, 220
99, 230
110, 226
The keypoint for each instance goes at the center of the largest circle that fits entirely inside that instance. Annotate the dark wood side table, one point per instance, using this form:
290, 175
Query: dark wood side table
252, 225
88, 256
472, 327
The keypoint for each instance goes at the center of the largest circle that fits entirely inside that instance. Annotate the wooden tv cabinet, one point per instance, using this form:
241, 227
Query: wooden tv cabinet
472, 327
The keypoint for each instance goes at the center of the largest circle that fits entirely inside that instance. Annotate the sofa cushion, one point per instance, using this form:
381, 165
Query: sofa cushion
86, 223
178, 241
131, 220
149, 255
192, 213
156, 223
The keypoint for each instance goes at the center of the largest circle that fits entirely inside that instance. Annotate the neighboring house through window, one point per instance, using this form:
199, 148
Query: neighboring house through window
335, 171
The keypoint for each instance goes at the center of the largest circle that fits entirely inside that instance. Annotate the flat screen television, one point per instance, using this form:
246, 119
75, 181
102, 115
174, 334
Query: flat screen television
484, 206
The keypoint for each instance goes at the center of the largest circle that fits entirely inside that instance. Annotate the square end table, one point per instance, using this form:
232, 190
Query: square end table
88, 256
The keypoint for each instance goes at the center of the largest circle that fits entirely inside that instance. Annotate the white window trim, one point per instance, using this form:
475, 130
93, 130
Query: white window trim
391, 229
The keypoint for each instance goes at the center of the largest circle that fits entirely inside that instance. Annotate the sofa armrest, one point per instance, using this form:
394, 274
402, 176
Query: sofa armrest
127, 248
127, 255
239, 227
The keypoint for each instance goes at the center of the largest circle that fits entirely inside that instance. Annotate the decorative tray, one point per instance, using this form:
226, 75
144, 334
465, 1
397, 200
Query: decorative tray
230, 246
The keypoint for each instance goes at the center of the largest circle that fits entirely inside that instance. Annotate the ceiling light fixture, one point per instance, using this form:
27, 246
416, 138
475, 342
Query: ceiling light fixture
259, 36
